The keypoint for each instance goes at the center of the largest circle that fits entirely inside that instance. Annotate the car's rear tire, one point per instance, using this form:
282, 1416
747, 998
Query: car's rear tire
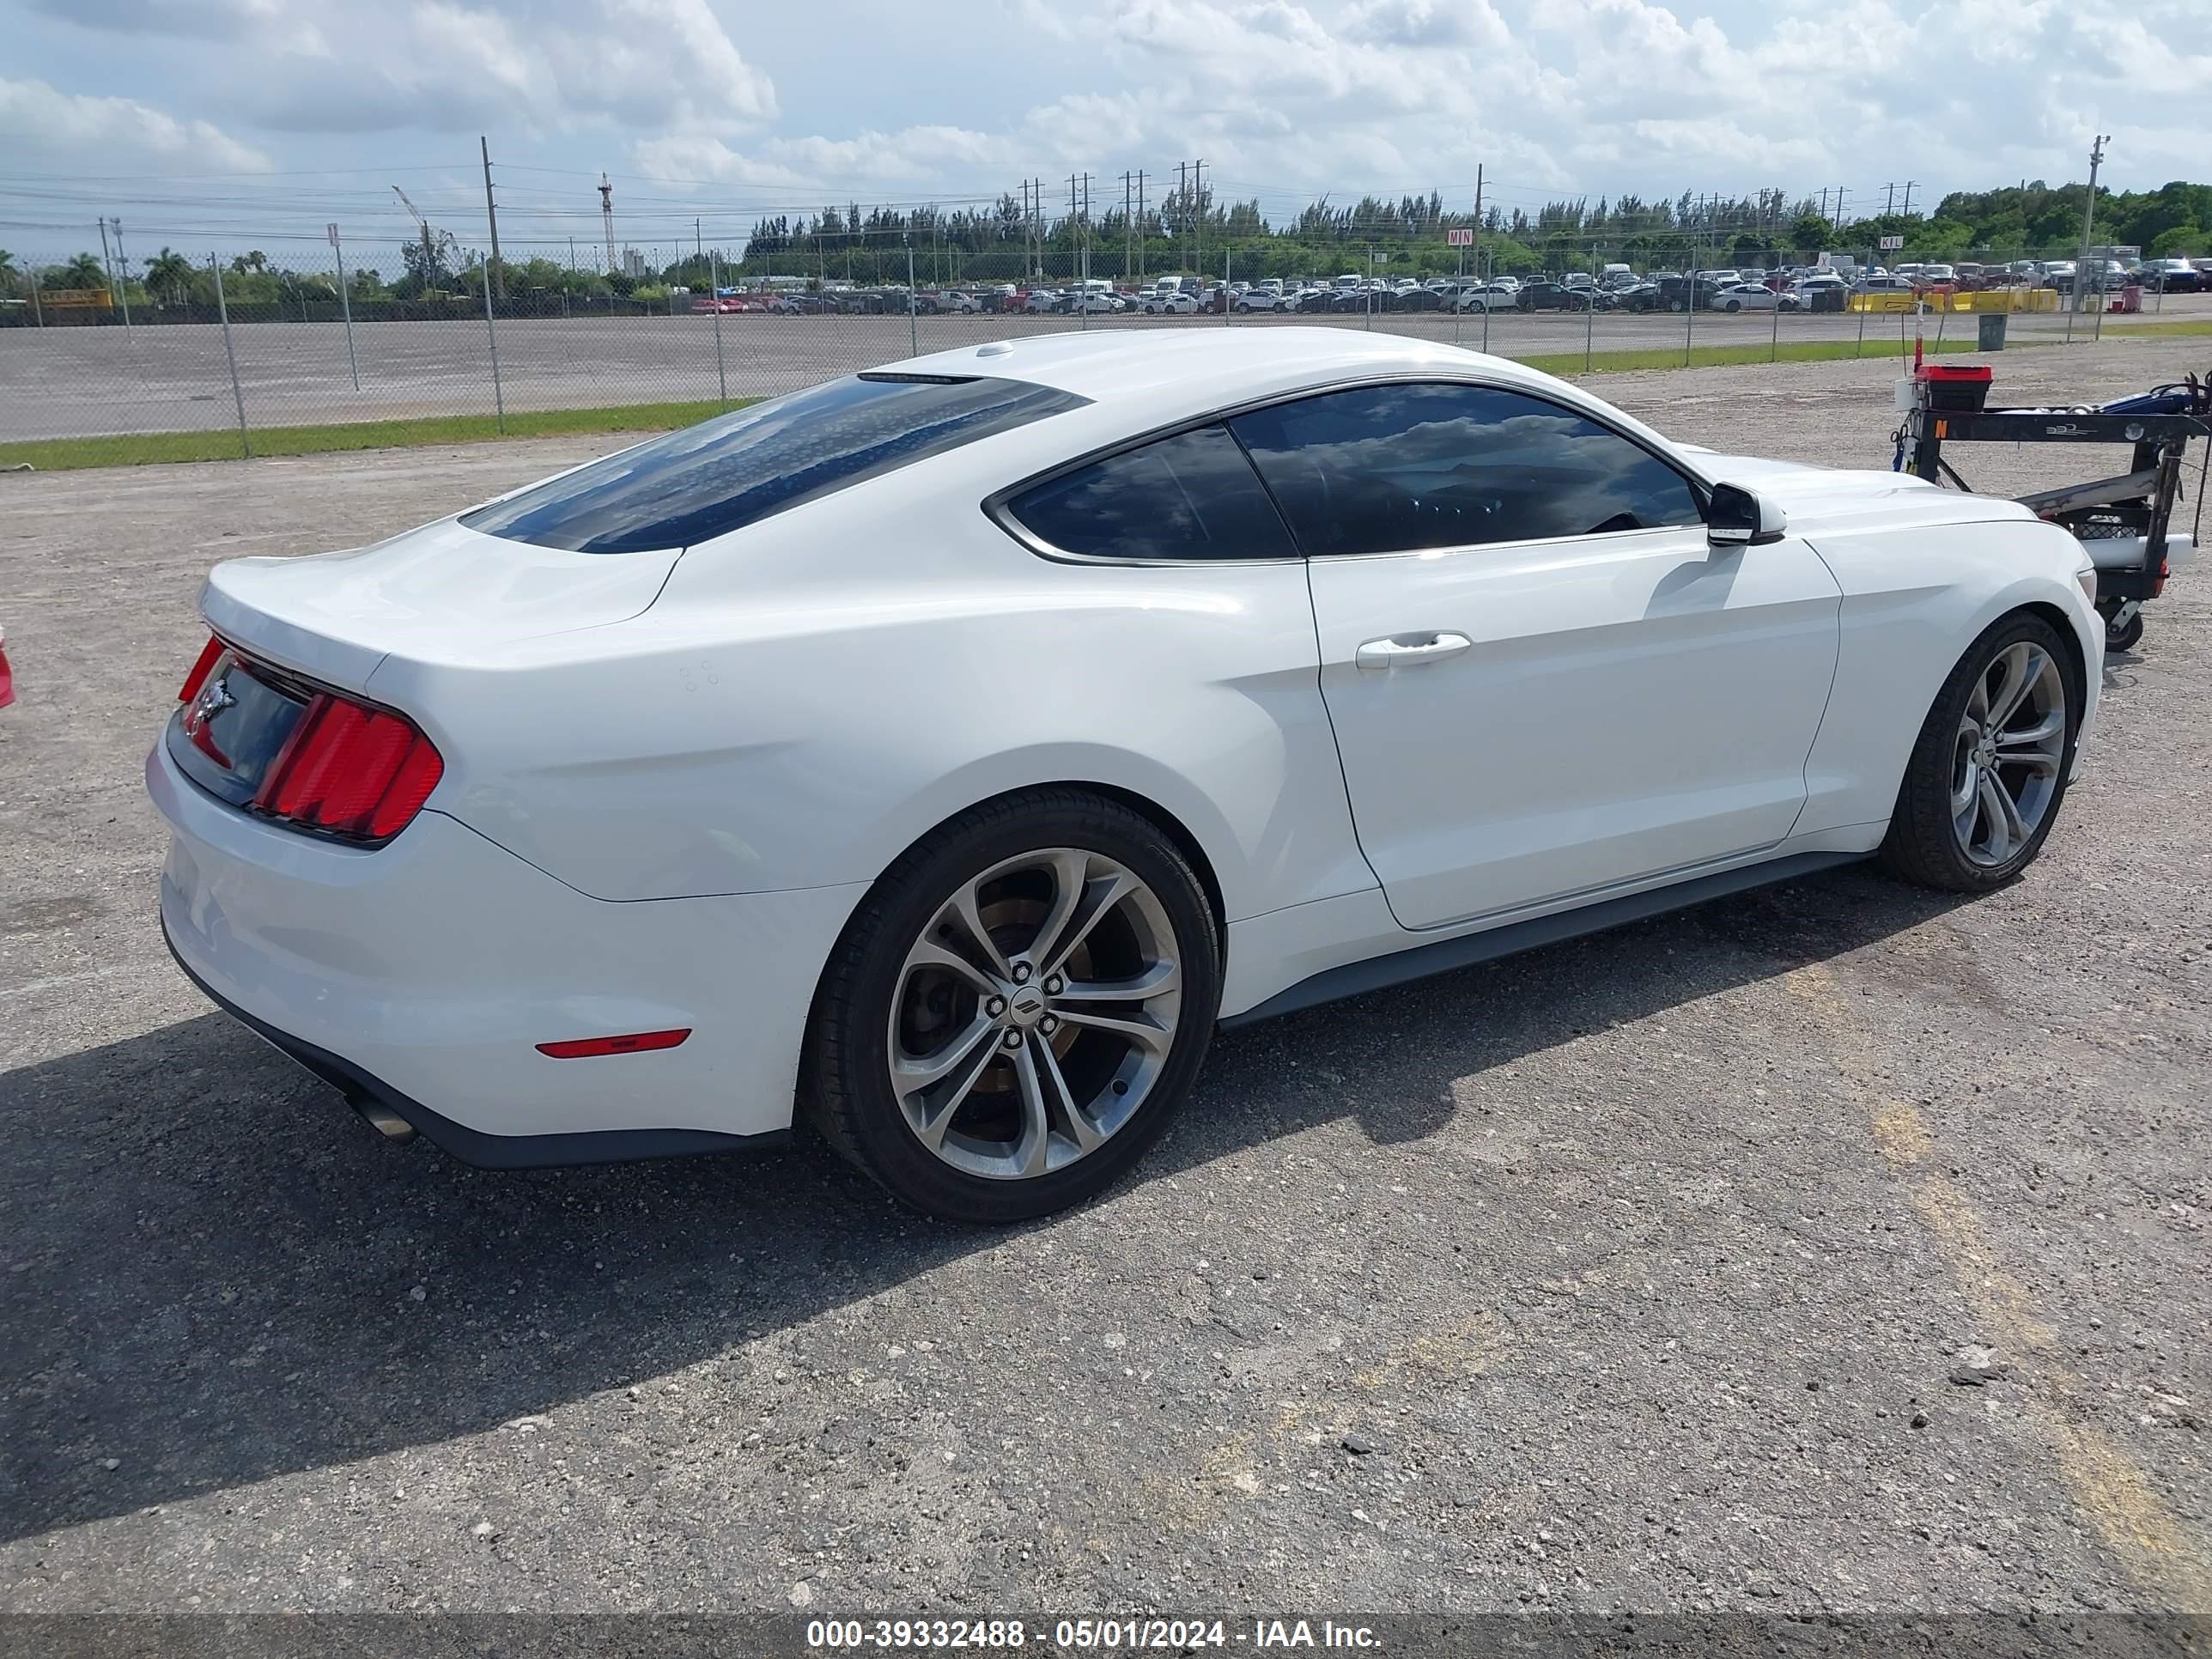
1734, 305
1989, 771
960, 1049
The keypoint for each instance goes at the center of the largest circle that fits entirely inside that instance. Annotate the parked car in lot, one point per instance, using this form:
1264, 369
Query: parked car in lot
1548, 295
1486, 297
931, 301
1260, 299
1040, 301
641, 808
1754, 296
2172, 277
1637, 296
1094, 297
1169, 303
1681, 293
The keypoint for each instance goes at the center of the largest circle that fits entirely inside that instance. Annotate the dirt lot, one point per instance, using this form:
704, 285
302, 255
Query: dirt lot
1836, 1247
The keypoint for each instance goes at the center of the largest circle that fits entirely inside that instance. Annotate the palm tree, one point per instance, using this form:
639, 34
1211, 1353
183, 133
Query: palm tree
8, 274
85, 271
169, 276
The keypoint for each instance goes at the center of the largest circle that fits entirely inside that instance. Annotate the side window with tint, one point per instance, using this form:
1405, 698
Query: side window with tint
1394, 468
1191, 496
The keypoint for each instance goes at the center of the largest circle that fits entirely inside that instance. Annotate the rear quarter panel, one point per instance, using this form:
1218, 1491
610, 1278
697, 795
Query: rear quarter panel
809, 697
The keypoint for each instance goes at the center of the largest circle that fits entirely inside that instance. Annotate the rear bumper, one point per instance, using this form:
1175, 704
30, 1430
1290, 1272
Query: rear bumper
418, 977
371, 1096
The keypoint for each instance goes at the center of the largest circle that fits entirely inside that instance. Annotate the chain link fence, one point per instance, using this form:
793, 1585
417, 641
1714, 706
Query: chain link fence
234, 358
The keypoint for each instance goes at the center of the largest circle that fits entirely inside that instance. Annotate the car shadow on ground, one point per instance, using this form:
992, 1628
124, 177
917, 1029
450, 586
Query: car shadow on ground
215, 1274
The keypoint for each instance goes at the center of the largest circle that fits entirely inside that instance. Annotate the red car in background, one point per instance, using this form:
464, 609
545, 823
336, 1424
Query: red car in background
7, 675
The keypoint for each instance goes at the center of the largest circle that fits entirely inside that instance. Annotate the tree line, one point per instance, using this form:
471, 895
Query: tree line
1187, 223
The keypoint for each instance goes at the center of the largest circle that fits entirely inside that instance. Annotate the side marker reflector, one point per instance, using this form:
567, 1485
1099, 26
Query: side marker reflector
637, 1043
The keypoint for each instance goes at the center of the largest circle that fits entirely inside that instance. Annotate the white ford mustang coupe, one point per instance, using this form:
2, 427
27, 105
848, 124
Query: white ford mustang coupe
944, 751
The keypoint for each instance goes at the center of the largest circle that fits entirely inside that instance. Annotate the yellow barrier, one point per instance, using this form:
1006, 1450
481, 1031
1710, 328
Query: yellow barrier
68, 299
2011, 299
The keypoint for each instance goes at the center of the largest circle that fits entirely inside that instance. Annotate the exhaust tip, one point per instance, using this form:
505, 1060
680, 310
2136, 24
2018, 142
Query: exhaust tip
386, 1122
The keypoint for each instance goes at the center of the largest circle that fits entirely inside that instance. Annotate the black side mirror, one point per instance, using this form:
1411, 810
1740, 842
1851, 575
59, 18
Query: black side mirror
1735, 516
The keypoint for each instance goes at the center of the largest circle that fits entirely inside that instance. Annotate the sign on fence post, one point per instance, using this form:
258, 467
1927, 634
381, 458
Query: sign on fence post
345, 305
1459, 288
1891, 244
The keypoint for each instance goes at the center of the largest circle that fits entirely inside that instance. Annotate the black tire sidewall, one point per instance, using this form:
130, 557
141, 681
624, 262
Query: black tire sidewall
1928, 792
884, 1143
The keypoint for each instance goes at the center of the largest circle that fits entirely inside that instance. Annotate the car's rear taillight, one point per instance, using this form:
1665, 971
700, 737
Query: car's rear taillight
348, 769
211, 653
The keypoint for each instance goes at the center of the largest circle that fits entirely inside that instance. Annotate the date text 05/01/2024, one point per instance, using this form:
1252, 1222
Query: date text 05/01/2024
1086, 1635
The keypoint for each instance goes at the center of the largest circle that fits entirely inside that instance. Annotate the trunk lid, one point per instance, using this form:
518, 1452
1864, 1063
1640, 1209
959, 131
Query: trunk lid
444, 593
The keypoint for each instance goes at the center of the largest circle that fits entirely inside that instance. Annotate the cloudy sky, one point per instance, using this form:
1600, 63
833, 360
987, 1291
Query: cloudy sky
213, 119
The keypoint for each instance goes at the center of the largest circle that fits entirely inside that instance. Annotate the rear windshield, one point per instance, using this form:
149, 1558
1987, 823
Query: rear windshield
739, 468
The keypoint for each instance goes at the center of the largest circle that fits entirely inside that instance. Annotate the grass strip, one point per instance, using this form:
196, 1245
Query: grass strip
142, 449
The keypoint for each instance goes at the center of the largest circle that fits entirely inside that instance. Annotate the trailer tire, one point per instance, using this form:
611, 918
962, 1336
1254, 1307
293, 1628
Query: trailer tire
2124, 635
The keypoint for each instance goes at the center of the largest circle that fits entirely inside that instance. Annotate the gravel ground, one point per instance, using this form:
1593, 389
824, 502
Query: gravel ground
1837, 1247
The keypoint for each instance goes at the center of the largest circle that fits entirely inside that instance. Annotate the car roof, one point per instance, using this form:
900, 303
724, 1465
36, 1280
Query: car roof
1138, 381
1219, 368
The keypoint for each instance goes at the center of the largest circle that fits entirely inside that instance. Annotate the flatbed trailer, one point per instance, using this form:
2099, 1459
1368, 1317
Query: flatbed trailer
2126, 522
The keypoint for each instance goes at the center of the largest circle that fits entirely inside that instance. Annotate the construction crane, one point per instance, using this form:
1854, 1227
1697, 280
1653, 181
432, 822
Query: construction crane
437, 245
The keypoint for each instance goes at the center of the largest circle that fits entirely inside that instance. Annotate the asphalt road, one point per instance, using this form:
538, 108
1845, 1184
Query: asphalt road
77, 382
1833, 1248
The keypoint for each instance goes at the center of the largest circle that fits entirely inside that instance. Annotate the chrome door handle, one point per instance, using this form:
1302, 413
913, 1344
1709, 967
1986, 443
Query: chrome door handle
1409, 650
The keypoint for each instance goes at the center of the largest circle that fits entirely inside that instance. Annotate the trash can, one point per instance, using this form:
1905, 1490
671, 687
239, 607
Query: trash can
1993, 330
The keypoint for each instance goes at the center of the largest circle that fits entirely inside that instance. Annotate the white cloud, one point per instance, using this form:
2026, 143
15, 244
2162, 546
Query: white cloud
41, 127
1282, 97
456, 65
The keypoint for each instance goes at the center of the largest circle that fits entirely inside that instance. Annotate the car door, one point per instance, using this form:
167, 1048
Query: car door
1544, 681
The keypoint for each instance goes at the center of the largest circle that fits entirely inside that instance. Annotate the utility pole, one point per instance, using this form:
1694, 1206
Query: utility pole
491, 213
1198, 216
1889, 200
1909, 183
1182, 196
1140, 226
1839, 220
1824, 203
107, 260
1128, 220
607, 219
2088, 229
123, 262
1477, 204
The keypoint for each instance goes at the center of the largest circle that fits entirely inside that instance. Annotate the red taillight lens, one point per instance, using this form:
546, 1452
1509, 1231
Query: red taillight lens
210, 654
351, 770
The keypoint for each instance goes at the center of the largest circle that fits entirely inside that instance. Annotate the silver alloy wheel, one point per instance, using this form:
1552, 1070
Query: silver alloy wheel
2012, 741
1035, 1013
